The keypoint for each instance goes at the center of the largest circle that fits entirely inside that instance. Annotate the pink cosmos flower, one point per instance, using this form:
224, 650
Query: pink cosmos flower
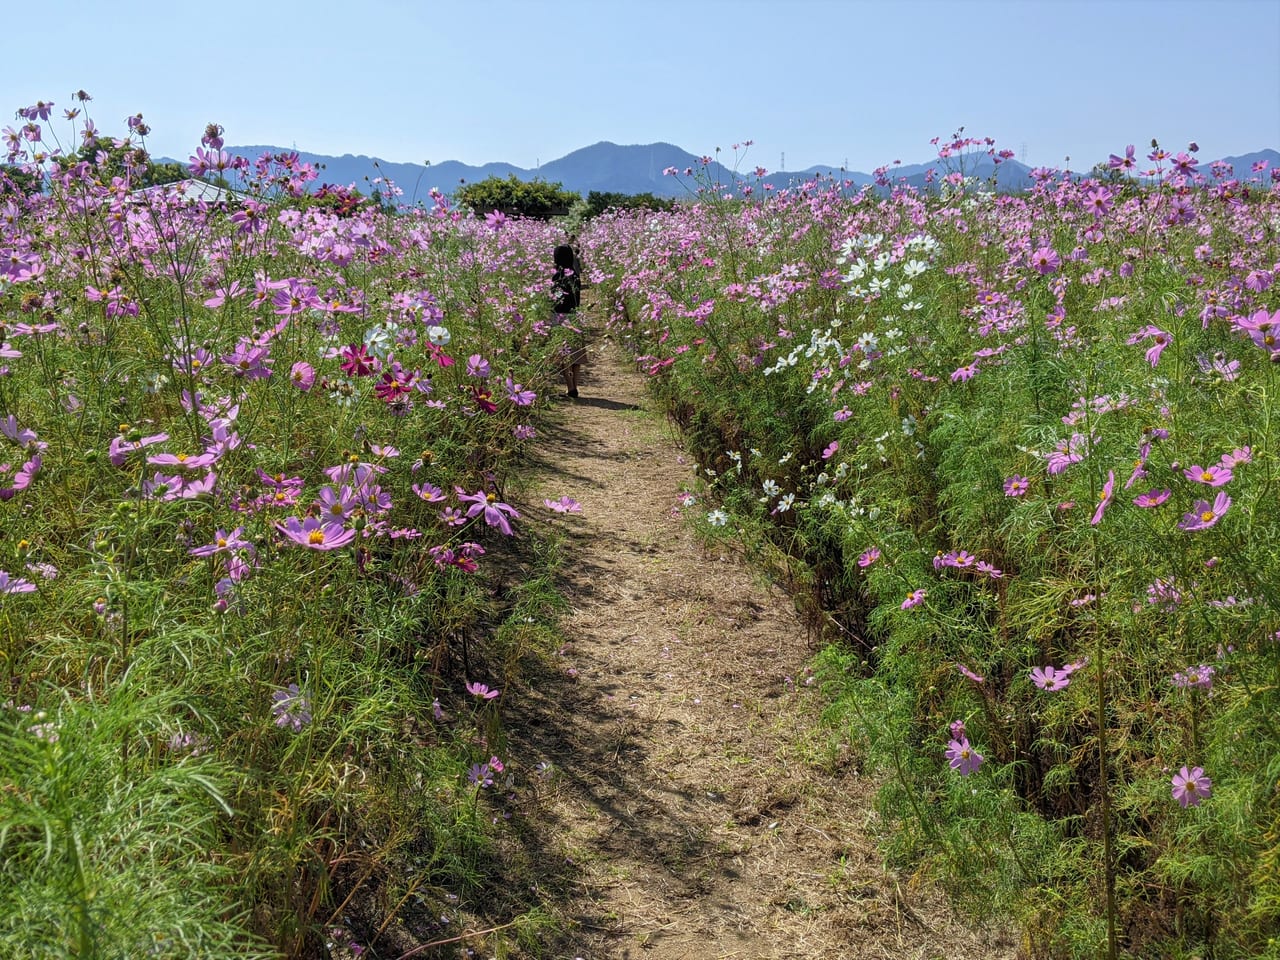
1016, 486
482, 691
564, 505
120, 448
1191, 786
1237, 457
1107, 490
831, 450
223, 542
302, 375
486, 504
518, 395
1203, 516
869, 557
1214, 476
428, 492
21, 478
963, 758
1152, 498
914, 599
965, 671
315, 534
1049, 678
1046, 261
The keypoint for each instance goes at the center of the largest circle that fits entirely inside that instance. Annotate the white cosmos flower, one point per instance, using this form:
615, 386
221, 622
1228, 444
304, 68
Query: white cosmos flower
440, 336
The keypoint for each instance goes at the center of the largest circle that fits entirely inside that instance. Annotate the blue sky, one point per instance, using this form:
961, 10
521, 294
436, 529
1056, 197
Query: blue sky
821, 81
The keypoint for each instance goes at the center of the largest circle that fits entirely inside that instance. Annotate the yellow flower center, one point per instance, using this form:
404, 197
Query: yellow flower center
1206, 516
316, 537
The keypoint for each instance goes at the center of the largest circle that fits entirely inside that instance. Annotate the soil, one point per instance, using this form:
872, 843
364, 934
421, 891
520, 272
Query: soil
683, 800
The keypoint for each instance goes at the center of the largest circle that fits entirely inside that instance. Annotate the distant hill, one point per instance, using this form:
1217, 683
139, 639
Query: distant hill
638, 168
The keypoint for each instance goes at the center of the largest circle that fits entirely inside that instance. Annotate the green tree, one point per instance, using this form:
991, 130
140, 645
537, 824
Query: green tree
598, 202
518, 198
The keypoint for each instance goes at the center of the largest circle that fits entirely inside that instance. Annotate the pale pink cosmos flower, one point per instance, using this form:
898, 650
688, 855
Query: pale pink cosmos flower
565, 504
10, 584
1050, 678
869, 557
1191, 786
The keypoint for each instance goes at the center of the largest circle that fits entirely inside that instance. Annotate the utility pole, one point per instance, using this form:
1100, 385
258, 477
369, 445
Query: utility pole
782, 161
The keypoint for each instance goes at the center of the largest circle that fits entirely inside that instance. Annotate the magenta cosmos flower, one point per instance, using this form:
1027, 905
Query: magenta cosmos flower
914, 599
962, 757
1108, 490
1214, 476
1203, 516
1016, 486
495, 513
1152, 498
1190, 786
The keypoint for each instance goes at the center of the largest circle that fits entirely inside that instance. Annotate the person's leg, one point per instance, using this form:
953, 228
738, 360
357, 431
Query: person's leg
571, 377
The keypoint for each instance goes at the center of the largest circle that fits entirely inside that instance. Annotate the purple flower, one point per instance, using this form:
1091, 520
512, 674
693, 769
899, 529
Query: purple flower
518, 395
1203, 516
291, 708
1190, 786
477, 366
963, 758
869, 557
480, 776
831, 450
223, 542
1200, 677
14, 584
965, 671
914, 599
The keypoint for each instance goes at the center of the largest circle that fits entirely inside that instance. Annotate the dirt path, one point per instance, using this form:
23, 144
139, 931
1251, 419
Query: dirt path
693, 820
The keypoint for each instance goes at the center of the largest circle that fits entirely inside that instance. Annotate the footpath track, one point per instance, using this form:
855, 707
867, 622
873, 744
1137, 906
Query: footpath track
686, 791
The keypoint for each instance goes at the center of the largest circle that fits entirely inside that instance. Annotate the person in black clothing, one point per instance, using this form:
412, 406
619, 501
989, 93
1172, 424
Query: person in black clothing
567, 293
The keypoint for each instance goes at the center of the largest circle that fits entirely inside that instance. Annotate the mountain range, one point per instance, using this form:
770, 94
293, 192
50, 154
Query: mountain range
610, 168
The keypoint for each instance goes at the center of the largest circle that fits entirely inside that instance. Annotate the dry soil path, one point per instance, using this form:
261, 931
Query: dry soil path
696, 811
